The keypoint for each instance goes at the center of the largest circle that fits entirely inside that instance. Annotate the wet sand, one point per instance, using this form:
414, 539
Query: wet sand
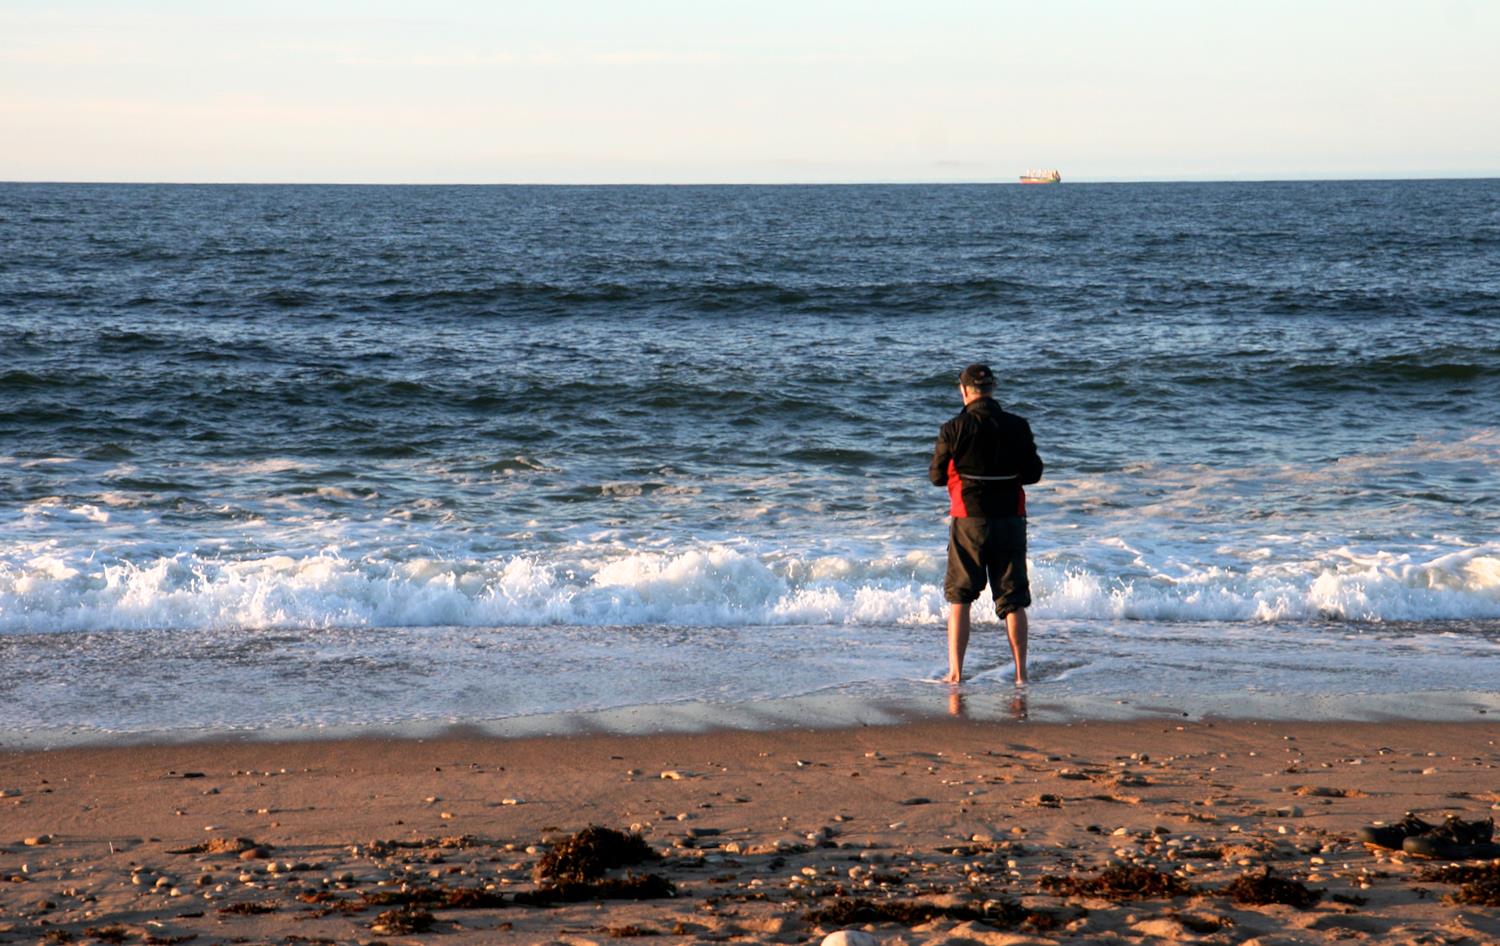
931, 832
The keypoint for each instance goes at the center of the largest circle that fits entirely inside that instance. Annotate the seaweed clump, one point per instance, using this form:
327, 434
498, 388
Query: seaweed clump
1119, 882
574, 870
630, 887
1263, 887
1479, 886
629, 931
404, 920
587, 855
851, 911
436, 896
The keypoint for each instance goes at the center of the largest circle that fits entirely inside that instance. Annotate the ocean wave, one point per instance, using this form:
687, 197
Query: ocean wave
1441, 365
711, 585
702, 295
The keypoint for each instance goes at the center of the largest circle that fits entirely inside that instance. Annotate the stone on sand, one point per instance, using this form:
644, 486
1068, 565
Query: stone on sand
850, 938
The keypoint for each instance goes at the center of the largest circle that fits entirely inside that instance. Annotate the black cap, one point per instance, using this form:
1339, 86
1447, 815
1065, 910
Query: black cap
977, 376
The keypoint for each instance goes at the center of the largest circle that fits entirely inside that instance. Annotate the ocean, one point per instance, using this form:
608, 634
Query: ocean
297, 458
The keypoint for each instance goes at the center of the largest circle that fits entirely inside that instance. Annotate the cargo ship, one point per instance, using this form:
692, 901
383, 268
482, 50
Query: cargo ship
1041, 177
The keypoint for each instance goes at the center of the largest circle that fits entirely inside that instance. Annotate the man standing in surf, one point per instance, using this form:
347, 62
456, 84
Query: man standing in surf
985, 456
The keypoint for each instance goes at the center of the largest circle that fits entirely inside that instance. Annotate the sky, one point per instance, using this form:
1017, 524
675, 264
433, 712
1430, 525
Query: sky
660, 91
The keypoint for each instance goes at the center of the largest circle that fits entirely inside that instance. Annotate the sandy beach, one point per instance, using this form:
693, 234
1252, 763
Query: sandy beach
933, 832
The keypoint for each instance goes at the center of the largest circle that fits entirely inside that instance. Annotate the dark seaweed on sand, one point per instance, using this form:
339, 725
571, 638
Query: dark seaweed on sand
325, 902
1262, 887
248, 908
857, 910
629, 931
629, 887
1479, 885
437, 896
405, 920
1119, 882
587, 855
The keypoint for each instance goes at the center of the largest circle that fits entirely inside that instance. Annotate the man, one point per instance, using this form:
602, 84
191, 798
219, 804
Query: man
985, 456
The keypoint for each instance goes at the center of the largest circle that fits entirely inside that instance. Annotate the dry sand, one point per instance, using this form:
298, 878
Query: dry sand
951, 828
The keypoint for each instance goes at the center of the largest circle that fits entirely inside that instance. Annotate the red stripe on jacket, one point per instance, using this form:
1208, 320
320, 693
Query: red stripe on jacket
956, 507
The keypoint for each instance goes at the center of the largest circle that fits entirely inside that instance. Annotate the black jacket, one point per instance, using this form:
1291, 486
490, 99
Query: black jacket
984, 456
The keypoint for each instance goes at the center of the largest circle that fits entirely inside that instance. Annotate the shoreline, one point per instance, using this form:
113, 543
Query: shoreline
69, 688
754, 831
842, 708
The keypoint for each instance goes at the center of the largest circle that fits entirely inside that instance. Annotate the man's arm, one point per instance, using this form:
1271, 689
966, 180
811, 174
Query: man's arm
1030, 468
937, 471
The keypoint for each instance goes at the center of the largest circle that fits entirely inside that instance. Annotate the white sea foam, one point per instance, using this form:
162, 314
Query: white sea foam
713, 585
1153, 543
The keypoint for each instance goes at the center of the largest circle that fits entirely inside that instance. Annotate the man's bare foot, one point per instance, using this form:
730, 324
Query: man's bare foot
1021, 680
954, 676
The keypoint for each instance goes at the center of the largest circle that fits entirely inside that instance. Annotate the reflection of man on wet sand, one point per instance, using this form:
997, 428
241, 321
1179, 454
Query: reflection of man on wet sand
985, 456
1017, 710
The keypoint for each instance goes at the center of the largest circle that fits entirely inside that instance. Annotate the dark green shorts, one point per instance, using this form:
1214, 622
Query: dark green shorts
992, 548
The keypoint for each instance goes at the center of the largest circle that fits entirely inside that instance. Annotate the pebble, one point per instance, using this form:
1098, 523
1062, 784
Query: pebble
510, 801
850, 938
38, 840
9, 792
672, 775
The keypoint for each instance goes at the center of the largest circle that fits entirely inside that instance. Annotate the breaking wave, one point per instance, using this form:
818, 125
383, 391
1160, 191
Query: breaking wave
713, 585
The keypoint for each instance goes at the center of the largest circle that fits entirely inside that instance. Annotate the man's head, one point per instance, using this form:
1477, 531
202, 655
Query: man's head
976, 381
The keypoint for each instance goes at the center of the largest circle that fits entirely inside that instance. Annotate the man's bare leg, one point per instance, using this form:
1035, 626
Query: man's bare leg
958, 641
1016, 627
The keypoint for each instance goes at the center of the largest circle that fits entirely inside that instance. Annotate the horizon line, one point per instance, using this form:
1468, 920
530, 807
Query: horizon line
914, 182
